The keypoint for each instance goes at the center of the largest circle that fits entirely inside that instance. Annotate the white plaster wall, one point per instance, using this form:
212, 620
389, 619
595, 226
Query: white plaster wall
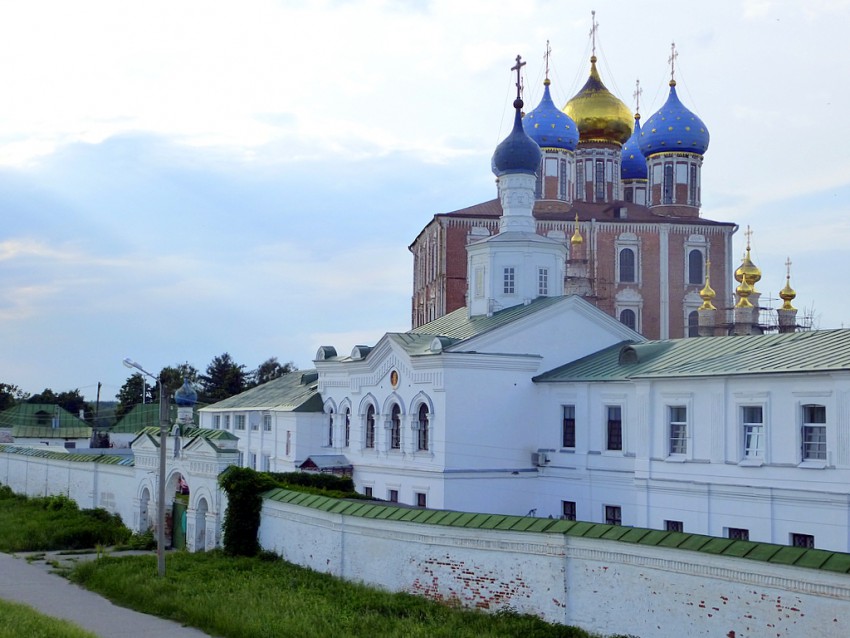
602, 586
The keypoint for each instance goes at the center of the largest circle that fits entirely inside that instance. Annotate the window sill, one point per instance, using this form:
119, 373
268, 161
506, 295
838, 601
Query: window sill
676, 459
751, 463
812, 465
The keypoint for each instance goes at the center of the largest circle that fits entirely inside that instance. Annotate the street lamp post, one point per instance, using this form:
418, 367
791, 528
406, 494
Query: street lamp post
163, 433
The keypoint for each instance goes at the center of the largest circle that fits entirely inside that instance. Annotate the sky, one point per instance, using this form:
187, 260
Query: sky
183, 179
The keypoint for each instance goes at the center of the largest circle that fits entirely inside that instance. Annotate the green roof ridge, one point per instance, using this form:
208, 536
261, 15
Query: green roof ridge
819, 559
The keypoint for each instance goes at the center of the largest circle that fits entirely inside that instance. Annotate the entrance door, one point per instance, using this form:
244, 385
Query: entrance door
178, 536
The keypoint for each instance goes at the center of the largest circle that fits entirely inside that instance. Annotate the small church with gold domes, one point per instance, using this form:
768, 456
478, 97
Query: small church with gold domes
624, 199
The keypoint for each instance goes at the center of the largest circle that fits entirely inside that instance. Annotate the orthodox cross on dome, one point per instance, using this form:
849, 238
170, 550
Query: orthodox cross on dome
517, 67
749, 235
788, 268
636, 95
594, 27
546, 57
672, 60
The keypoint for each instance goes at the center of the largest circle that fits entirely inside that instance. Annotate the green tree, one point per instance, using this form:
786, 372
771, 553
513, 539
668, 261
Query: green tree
131, 393
70, 400
270, 369
11, 395
224, 378
172, 377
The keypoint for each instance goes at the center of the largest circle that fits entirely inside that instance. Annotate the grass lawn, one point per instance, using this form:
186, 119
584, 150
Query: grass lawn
20, 620
54, 522
255, 598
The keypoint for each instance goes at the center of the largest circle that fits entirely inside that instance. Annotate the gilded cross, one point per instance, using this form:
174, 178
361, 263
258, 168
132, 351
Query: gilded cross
517, 68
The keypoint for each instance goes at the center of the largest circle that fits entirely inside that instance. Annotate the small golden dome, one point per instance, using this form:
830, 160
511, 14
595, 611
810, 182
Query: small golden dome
747, 266
787, 294
599, 114
744, 291
707, 293
576, 238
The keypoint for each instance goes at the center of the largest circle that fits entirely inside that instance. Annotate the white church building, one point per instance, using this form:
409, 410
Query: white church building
530, 401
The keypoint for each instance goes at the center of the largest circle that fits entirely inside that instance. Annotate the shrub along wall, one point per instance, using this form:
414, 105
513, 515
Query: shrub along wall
602, 578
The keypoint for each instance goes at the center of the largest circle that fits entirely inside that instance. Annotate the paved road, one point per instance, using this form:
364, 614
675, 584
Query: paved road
34, 585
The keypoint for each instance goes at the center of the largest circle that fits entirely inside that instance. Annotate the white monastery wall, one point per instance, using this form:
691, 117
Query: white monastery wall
603, 586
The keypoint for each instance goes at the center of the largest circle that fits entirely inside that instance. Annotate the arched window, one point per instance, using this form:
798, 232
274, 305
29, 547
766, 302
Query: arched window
370, 426
330, 428
695, 263
395, 429
347, 426
629, 318
422, 439
627, 265
693, 324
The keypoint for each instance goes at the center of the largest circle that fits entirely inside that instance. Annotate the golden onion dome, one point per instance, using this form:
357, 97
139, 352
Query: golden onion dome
787, 294
707, 293
598, 113
576, 238
749, 269
744, 291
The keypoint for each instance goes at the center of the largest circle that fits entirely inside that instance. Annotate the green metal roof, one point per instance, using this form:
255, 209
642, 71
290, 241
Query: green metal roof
293, 392
764, 552
192, 432
457, 325
814, 351
106, 459
140, 417
35, 420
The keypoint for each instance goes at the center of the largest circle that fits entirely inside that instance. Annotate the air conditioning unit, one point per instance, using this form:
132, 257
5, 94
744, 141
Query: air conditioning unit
540, 459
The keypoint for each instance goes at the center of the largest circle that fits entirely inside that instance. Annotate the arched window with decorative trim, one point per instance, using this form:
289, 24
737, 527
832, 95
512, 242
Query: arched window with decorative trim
628, 317
347, 427
330, 428
422, 438
696, 260
395, 427
627, 265
693, 323
370, 427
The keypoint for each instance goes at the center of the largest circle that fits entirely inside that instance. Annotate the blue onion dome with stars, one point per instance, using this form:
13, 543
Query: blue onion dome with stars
517, 153
549, 126
673, 128
632, 161
186, 396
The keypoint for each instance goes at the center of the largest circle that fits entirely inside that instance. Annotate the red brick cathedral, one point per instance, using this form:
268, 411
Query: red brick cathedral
625, 201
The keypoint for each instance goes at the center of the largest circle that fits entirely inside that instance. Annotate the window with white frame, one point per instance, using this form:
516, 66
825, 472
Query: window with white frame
267, 423
255, 424
226, 421
693, 323
240, 459
509, 279
613, 515
330, 425
752, 422
626, 262
252, 461
696, 260
395, 427
568, 510
738, 533
370, 427
803, 540
392, 496
568, 426
542, 282
239, 422
814, 433
614, 428
674, 526
267, 463
216, 422
347, 426
421, 499
422, 431
678, 428
628, 318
